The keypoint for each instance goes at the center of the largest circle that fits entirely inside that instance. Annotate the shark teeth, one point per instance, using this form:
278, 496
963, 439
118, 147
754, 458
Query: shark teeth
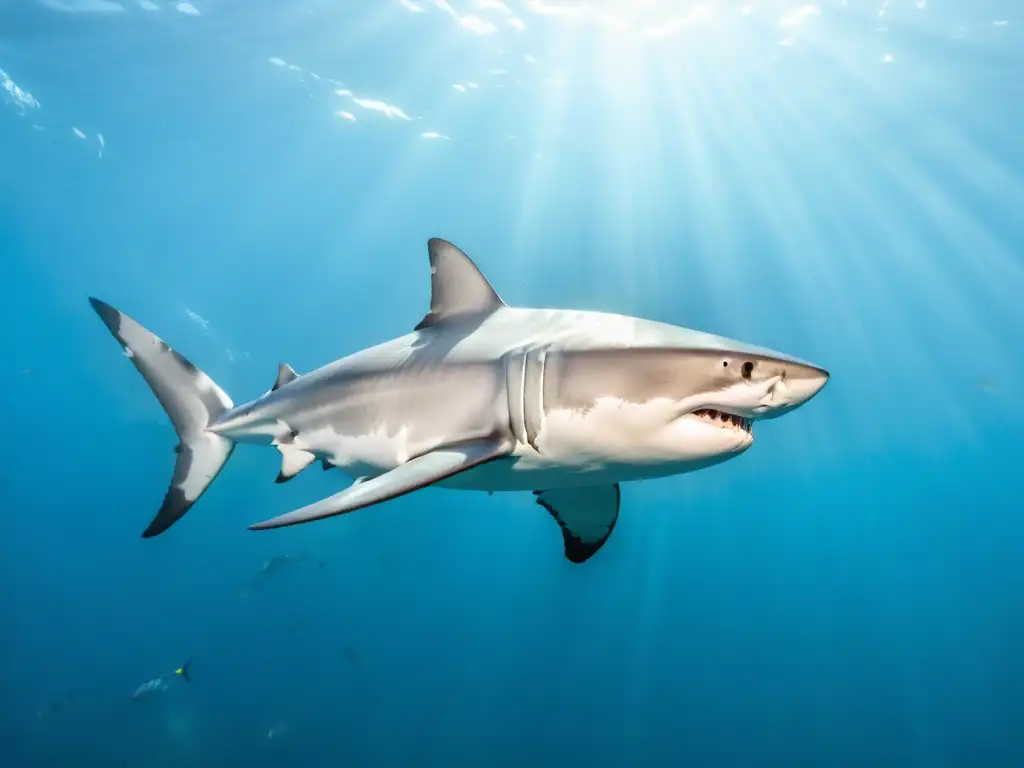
724, 419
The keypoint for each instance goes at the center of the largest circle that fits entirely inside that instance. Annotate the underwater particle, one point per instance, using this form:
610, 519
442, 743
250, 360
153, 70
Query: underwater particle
187, 8
459, 87
102, 142
196, 318
346, 115
277, 62
435, 135
887, 59
77, 132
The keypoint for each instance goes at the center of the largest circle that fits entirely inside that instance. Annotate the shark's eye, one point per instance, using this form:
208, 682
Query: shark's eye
748, 368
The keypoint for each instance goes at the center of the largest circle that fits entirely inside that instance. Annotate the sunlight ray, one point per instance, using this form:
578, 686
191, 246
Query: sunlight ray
540, 171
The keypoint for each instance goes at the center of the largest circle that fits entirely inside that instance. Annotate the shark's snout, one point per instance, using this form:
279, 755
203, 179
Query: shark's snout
791, 388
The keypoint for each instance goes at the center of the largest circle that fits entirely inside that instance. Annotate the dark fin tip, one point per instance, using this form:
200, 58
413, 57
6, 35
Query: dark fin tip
283, 478
110, 316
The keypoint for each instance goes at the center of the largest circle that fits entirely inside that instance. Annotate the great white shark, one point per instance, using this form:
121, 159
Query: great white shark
486, 397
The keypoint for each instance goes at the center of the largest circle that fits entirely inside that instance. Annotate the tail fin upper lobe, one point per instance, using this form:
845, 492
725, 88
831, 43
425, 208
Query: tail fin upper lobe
191, 400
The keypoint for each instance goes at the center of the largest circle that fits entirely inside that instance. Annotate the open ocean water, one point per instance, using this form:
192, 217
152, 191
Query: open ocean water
256, 182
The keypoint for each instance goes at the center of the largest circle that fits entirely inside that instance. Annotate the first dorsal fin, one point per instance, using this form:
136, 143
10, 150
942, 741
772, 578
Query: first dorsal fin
285, 373
457, 286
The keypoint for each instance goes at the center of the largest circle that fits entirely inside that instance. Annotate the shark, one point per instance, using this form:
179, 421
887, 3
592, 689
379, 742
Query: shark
568, 405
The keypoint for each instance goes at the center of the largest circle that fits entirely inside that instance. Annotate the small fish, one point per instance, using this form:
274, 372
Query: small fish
277, 564
57, 705
162, 682
279, 730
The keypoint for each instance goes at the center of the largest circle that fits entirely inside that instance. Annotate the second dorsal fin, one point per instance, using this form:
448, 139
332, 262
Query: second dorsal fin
457, 286
285, 373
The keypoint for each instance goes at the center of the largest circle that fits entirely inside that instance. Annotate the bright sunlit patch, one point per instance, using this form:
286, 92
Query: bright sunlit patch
434, 135
187, 8
409, 5
22, 99
374, 105
148, 5
345, 115
798, 15
492, 5
677, 23
478, 25
471, 22
83, 6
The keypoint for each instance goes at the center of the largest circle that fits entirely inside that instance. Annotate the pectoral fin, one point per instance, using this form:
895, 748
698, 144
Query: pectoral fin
414, 474
586, 516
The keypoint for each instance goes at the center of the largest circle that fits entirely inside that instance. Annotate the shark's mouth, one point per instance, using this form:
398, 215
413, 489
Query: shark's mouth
724, 420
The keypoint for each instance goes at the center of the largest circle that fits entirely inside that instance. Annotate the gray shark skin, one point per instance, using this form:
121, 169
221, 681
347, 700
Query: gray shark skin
487, 397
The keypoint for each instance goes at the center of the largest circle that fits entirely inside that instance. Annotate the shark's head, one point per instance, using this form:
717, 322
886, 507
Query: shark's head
721, 393
694, 402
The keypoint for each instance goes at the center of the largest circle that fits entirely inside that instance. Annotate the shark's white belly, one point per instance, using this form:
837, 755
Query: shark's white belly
612, 442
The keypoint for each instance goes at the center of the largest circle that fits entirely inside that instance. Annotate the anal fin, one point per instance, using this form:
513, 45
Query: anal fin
586, 515
414, 474
293, 461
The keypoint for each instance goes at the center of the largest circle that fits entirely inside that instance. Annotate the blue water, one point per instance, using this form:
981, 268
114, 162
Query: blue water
844, 184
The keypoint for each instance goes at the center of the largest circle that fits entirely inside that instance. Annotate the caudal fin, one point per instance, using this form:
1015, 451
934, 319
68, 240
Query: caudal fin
191, 400
183, 672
